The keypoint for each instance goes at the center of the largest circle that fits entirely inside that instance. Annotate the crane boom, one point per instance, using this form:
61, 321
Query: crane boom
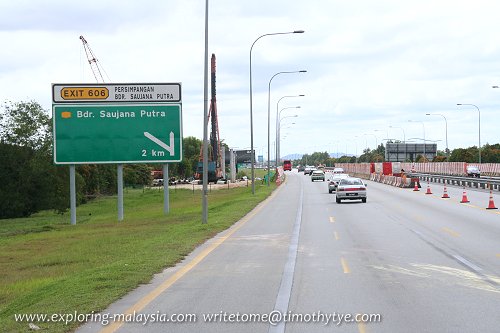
95, 65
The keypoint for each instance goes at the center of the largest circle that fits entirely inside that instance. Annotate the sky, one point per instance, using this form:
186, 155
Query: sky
370, 65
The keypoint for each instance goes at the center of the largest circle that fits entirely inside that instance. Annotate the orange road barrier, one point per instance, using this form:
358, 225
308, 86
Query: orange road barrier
445, 194
464, 197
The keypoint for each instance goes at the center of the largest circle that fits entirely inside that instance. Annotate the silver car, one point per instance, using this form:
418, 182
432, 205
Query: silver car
317, 175
351, 189
309, 170
334, 181
473, 171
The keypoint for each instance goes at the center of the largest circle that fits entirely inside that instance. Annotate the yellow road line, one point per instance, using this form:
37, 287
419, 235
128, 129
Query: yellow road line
344, 266
332, 219
144, 301
451, 232
498, 255
361, 327
336, 235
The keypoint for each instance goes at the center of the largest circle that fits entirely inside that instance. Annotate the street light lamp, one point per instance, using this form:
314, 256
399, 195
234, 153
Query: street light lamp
277, 119
423, 127
446, 130
251, 104
479, 149
269, 123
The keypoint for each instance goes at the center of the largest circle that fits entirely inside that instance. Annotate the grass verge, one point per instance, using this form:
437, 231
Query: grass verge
48, 266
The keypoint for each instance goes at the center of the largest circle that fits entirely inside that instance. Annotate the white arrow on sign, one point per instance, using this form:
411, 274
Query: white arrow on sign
162, 144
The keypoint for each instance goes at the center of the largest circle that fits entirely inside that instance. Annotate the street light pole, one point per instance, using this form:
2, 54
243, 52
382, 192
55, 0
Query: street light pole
401, 128
376, 141
356, 153
423, 127
269, 124
386, 133
204, 200
366, 141
251, 102
279, 131
277, 137
404, 142
446, 130
479, 149
277, 117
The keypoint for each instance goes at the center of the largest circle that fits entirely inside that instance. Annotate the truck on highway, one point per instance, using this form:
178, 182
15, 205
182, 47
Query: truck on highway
287, 165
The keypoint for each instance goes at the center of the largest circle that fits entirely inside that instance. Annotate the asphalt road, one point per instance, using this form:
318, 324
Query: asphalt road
423, 263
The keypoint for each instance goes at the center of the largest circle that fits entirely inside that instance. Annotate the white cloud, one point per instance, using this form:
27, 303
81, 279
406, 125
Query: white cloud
370, 64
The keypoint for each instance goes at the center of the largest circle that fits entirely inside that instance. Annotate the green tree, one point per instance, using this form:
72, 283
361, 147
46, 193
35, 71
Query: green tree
16, 191
137, 175
315, 158
462, 155
191, 148
346, 159
30, 181
490, 153
25, 124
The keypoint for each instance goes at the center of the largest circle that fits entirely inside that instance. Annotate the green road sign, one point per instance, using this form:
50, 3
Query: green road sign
117, 133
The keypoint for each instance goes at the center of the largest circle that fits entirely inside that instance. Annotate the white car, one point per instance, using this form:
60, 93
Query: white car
338, 170
351, 189
158, 182
473, 171
317, 175
308, 170
334, 181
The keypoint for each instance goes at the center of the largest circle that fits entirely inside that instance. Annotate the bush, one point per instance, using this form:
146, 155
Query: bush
240, 174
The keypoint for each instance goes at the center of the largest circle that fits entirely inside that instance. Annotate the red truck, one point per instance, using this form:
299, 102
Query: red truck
287, 165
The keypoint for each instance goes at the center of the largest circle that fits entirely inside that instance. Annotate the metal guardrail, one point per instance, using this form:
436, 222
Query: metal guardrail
481, 183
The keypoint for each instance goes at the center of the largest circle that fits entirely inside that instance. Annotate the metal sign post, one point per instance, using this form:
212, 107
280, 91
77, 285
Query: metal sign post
119, 174
166, 199
72, 194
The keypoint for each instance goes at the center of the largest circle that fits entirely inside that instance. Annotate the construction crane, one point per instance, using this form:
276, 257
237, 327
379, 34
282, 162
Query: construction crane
215, 163
95, 65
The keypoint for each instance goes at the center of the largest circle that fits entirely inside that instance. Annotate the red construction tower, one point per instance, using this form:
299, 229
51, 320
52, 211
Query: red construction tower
215, 163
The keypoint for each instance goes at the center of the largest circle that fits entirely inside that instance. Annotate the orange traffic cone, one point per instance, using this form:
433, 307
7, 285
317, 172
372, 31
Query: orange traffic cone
445, 194
491, 204
416, 186
464, 197
428, 188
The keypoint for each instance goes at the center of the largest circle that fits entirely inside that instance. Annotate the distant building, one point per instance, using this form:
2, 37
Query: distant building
402, 152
